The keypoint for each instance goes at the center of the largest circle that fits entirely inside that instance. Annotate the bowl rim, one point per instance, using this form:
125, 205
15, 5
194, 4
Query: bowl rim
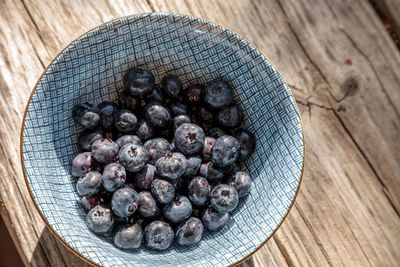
140, 15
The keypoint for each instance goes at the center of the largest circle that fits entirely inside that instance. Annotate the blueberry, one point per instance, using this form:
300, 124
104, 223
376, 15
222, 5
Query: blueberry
192, 166
138, 82
133, 157
162, 191
128, 139
180, 186
247, 143
211, 172
225, 150
224, 198
157, 115
193, 94
127, 101
125, 120
231, 169
107, 111
178, 120
208, 144
158, 235
178, 108
114, 176
157, 148
129, 237
218, 95
178, 210
214, 220
215, 132
89, 202
88, 137
172, 86
145, 130
84, 163
156, 95
171, 165
124, 202
230, 117
173, 148
204, 115
241, 182
147, 205
145, 177
189, 232
86, 115
199, 191
105, 150
100, 220
189, 138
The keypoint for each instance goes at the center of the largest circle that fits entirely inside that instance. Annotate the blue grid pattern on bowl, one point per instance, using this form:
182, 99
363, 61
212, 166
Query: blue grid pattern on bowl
91, 69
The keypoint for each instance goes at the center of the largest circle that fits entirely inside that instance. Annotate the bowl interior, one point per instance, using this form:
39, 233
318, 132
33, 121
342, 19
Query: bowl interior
91, 69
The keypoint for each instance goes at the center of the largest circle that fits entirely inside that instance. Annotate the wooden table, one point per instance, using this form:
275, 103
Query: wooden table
344, 70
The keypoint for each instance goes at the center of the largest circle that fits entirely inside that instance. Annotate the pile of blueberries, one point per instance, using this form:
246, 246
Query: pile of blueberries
147, 163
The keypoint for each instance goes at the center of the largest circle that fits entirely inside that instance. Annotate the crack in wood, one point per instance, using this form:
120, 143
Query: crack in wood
283, 251
368, 162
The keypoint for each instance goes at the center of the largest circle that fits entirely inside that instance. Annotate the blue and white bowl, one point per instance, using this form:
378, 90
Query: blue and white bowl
91, 69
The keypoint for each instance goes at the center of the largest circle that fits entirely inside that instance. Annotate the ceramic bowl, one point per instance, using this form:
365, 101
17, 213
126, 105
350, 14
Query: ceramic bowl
91, 69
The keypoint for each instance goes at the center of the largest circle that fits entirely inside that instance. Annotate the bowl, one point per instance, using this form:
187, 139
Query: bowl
91, 69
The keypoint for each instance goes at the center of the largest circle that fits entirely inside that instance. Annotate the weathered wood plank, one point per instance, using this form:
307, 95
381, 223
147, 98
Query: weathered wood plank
389, 11
344, 71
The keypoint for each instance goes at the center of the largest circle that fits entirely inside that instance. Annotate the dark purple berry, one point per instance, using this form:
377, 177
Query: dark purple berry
124, 202
172, 86
189, 138
225, 150
157, 115
107, 111
192, 166
105, 150
125, 120
147, 205
180, 119
241, 182
230, 117
89, 202
86, 115
129, 237
88, 137
224, 198
133, 157
218, 95
145, 131
138, 82
158, 235
162, 191
128, 139
114, 176
156, 95
193, 94
189, 232
89, 183
84, 163
211, 172
145, 177
178, 108
247, 143
178, 210
199, 191
171, 165
100, 220
214, 220
231, 169
157, 148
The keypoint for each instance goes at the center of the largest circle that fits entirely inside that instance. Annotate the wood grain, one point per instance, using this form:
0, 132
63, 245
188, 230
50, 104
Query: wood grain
344, 71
